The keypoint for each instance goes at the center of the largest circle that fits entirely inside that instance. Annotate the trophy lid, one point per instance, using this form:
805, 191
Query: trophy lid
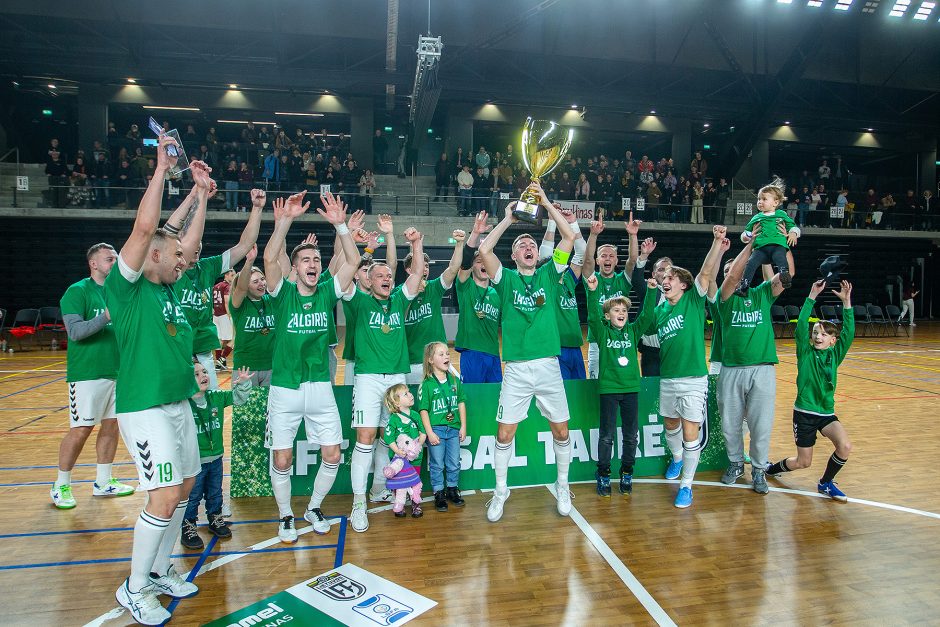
544, 144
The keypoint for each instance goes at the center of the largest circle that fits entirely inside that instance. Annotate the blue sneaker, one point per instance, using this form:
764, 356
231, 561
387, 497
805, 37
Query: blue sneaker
603, 484
674, 469
829, 489
626, 483
684, 498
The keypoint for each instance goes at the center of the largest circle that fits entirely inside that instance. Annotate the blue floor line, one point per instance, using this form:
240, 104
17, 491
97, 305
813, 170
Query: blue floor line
340, 543
34, 483
194, 571
111, 529
32, 388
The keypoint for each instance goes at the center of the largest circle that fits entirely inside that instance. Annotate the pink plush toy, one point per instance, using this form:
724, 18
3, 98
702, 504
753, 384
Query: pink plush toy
402, 477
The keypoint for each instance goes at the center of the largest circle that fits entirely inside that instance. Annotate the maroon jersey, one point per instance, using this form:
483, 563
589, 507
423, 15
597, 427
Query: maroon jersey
219, 296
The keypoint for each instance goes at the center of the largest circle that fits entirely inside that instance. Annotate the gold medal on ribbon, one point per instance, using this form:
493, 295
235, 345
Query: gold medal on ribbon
450, 416
205, 298
265, 331
539, 301
171, 329
623, 361
480, 315
386, 329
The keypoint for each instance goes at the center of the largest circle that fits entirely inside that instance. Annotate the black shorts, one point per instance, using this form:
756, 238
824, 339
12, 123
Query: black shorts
806, 425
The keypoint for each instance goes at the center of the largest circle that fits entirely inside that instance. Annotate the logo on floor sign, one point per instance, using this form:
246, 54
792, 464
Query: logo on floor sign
338, 587
383, 609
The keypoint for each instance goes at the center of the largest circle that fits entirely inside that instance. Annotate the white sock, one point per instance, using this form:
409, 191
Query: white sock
102, 474
501, 464
148, 534
562, 460
280, 484
690, 456
322, 483
162, 562
379, 462
359, 470
674, 442
64, 478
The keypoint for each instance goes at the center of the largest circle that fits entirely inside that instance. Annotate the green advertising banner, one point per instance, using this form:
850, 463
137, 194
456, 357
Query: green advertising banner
533, 458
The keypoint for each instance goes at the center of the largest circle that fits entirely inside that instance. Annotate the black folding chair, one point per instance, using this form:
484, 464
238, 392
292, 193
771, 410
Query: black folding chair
779, 320
793, 315
828, 313
50, 324
25, 325
877, 318
862, 319
894, 316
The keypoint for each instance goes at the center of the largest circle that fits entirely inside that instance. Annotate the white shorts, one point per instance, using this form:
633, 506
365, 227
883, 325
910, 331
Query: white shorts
162, 441
368, 399
208, 362
714, 367
90, 402
223, 325
522, 380
416, 376
594, 358
313, 403
684, 397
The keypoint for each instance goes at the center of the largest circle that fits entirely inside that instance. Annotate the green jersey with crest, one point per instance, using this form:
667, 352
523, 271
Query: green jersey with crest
381, 343
96, 356
747, 334
423, 321
527, 307
407, 422
681, 332
441, 400
254, 324
617, 284
478, 323
154, 340
618, 370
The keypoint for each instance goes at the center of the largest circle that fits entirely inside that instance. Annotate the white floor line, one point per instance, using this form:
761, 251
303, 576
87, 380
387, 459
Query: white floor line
642, 595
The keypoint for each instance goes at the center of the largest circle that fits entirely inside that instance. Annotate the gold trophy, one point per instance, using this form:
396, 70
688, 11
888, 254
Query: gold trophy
544, 144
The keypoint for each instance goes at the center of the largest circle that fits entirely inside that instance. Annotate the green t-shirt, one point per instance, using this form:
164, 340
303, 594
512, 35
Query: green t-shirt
478, 322
569, 325
381, 344
255, 325
209, 423
617, 284
423, 321
816, 369
301, 341
96, 356
769, 234
154, 340
194, 290
715, 311
527, 308
747, 333
410, 425
616, 345
441, 400
681, 332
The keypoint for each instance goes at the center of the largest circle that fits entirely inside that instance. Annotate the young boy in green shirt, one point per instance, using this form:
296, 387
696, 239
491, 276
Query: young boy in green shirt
817, 359
619, 377
209, 413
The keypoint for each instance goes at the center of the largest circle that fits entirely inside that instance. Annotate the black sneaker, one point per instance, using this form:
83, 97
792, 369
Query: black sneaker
218, 527
416, 511
400, 514
453, 495
189, 537
603, 483
626, 483
440, 501
743, 286
785, 279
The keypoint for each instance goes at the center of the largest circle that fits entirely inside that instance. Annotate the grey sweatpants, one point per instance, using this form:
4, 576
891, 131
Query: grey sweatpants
747, 392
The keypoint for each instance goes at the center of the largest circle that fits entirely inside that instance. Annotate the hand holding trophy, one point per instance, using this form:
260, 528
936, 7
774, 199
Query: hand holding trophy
544, 144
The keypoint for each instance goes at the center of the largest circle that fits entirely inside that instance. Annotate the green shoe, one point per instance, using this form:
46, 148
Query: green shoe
62, 496
112, 488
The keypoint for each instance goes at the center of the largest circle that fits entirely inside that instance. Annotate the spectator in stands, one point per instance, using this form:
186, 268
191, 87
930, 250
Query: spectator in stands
58, 173
887, 211
460, 160
842, 202
698, 203
685, 200
699, 164
582, 188
793, 203
331, 178
565, 187
190, 139
814, 199
78, 194
246, 179
803, 202
380, 151
282, 142
100, 178
441, 177
349, 185
481, 190
602, 190
510, 155
695, 176
342, 143
709, 199
204, 155
123, 179
869, 204
722, 196
335, 164
271, 173
300, 141
212, 142
653, 196
930, 211
824, 172
249, 135
366, 190
465, 189
629, 163
645, 170
230, 185
910, 214
134, 133
806, 180
483, 161
312, 179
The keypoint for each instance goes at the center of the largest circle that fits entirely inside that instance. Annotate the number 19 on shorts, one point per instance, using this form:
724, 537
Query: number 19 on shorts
166, 472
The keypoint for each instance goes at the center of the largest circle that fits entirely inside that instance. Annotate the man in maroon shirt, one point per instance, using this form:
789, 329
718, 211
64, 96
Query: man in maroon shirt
221, 318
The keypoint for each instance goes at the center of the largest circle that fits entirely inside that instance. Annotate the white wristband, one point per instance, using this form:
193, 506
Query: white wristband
342, 229
550, 226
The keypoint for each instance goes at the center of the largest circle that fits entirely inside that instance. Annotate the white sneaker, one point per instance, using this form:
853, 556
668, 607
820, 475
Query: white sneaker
358, 518
286, 530
494, 507
143, 605
172, 584
564, 499
320, 524
62, 496
112, 488
386, 496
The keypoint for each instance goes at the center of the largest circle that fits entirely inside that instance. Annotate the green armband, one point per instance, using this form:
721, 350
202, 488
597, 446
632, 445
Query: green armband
561, 257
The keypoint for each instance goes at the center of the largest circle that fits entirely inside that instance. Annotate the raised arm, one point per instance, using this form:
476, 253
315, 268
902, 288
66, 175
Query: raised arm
250, 233
735, 273
547, 247
334, 210
387, 227
490, 260
240, 289
480, 227
195, 222
413, 283
147, 220
338, 258
848, 320
716, 270
590, 251
284, 214
450, 272
706, 274
633, 228
564, 229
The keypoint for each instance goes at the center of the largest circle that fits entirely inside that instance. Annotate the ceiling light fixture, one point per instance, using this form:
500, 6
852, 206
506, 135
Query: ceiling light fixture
309, 115
132, 81
232, 86
900, 8
924, 11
